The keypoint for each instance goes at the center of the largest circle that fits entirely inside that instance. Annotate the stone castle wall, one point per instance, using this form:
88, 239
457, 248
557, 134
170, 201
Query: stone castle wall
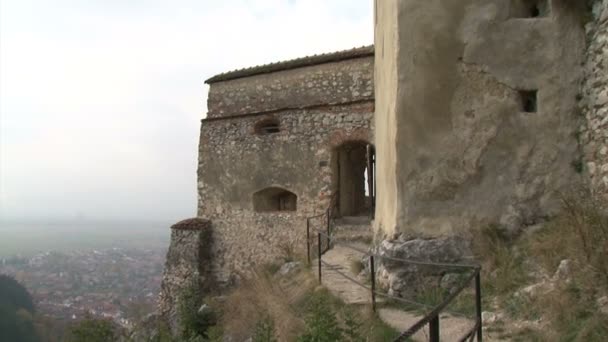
332, 83
235, 161
594, 101
465, 151
188, 263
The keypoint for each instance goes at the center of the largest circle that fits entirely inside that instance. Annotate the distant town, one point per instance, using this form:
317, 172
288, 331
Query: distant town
121, 284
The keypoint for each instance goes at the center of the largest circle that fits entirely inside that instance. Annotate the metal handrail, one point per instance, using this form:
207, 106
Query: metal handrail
431, 318
329, 213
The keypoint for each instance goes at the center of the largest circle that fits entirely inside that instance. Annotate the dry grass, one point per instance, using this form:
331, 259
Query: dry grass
288, 251
502, 262
264, 296
356, 266
579, 234
286, 302
569, 311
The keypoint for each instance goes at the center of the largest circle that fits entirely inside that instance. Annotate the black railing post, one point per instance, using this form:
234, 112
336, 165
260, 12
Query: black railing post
308, 240
328, 227
372, 269
320, 254
434, 329
478, 304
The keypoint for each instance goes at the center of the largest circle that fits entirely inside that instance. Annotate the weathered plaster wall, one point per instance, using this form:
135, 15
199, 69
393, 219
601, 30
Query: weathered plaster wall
466, 153
189, 263
385, 80
330, 83
594, 101
235, 163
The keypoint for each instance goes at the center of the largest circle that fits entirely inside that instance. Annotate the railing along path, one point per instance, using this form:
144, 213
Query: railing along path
325, 241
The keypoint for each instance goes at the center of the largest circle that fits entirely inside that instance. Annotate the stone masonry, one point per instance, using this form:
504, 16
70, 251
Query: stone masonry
189, 263
594, 100
475, 109
306, 109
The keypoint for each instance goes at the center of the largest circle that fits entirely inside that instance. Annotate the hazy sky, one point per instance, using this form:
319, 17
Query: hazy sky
101, 101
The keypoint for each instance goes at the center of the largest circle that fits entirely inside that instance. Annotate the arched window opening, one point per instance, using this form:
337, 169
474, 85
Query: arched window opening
268, 126
274, 199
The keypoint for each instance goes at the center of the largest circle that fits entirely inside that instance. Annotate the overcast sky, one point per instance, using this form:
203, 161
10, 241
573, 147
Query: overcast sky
101, 101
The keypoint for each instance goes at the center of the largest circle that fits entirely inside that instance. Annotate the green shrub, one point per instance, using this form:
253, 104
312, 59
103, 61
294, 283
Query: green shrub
215, 334
321, 322
264, 330
352, 326
93, 330
193, 321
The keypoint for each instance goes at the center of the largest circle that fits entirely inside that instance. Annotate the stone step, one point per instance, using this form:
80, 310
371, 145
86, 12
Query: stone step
353, 228
354, 235
353, 221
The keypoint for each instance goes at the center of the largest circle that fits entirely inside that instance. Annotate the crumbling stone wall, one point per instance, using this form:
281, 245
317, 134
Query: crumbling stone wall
464, 145
189, 263
594, 100
317, 108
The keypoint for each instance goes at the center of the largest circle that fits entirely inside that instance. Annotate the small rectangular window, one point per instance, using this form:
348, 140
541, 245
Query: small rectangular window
270, 129
529, 8
529, 100
267, 126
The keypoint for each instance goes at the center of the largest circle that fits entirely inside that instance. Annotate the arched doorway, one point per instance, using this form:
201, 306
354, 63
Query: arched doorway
350, 178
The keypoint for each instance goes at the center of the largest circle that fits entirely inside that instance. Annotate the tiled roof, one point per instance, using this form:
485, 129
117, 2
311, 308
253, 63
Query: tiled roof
363, 51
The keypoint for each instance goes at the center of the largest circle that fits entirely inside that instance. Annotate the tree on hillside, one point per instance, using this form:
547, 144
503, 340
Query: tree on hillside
16, 312
14, 294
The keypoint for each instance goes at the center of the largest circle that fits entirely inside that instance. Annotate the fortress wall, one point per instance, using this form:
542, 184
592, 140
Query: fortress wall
332, 83
235, 163
467, 150
188, 263
594, 101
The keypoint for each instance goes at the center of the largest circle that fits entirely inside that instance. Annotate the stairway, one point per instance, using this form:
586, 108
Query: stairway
356, 232
340, 260
353, 228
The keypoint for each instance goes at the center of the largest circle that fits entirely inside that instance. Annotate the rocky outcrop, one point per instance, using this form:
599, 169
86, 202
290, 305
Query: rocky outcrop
594, 99
405, 279
188, 263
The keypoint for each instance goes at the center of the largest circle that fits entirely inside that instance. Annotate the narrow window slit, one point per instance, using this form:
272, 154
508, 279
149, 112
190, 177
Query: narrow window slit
529, 100
530, 8
267, 126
